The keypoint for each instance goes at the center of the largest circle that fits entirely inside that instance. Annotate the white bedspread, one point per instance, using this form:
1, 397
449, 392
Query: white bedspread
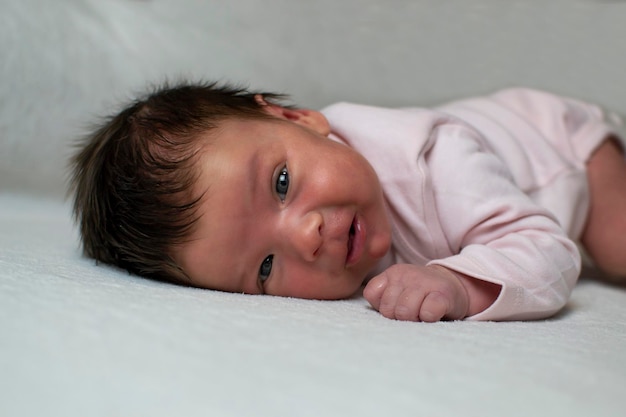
83, 340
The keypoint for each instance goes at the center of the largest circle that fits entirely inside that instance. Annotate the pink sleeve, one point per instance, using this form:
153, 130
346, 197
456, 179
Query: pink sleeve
498, 233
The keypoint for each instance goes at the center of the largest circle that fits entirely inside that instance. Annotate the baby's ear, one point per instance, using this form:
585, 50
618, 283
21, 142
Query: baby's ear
312, 119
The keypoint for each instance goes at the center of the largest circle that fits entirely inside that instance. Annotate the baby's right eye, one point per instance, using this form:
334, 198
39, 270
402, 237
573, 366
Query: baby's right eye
282, 184
266, 268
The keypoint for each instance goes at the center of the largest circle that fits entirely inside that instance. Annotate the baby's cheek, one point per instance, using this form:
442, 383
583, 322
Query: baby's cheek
293, 283
315, 285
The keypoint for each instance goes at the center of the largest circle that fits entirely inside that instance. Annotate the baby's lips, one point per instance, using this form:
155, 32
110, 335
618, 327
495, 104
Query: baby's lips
357, 236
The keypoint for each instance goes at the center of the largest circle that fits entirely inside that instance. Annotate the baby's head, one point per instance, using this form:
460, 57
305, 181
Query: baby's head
223, 188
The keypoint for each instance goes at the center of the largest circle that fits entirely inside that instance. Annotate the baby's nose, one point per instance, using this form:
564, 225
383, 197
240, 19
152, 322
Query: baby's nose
305, 235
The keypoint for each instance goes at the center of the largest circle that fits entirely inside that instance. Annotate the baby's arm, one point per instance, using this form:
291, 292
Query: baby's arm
510, 257
428, 293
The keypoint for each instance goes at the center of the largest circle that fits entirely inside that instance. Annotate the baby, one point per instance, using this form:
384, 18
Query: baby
470, 210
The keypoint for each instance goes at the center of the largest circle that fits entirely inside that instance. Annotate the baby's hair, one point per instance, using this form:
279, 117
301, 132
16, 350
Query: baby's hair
133, 177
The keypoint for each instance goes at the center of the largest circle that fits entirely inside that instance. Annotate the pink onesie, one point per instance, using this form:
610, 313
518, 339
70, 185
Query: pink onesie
493, 187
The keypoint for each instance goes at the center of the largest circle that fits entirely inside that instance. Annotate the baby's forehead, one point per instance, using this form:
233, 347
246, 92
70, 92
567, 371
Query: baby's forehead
243, 134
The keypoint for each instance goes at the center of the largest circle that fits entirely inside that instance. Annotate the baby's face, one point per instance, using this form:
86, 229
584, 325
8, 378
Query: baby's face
287, 211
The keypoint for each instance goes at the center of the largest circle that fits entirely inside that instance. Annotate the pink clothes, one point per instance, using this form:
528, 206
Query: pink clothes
492, 187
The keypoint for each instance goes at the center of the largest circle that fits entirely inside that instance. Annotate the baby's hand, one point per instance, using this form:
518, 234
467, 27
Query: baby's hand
418, 293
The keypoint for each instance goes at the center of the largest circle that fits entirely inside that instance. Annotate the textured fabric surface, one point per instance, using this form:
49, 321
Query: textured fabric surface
77, 339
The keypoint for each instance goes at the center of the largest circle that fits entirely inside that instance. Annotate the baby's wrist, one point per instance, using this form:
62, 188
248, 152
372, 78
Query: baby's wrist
480, 294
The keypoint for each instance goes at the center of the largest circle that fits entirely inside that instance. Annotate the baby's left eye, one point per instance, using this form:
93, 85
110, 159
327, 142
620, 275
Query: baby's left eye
282, 183
266, 268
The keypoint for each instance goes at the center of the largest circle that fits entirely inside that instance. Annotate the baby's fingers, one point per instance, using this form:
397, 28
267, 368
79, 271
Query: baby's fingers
408, 305
389, 300
374, 290
434, 307
394, 301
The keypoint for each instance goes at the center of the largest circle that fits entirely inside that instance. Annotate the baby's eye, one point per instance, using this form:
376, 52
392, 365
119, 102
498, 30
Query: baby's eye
266, 268
282, 183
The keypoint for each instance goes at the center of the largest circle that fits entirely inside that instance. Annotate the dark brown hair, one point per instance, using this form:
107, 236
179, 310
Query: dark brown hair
133, 177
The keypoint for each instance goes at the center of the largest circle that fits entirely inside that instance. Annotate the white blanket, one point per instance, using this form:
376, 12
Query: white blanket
86, 340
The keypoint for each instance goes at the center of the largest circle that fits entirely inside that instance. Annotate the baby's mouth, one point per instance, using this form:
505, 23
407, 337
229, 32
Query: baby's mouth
356, 241
351, 238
